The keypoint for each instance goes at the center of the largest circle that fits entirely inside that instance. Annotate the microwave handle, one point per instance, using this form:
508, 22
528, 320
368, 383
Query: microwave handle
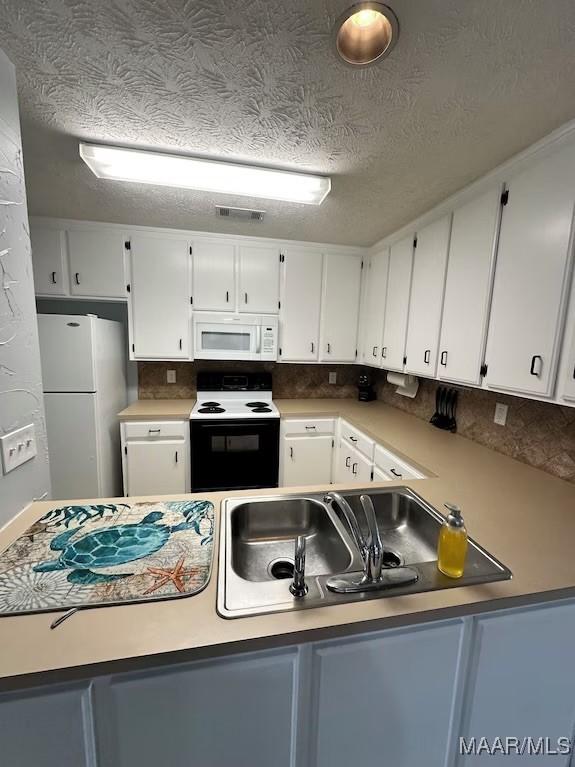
258, 339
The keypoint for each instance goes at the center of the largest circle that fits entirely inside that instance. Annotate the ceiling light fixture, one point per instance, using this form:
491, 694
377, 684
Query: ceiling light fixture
145, 167
365, 33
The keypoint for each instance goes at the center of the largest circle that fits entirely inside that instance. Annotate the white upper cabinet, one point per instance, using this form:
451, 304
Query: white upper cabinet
159, 297
426, 301
214, 275
374, 308
49, 260
397, 304
340, 307
300, 305
530, 277
259, 279
97, 263
468, 288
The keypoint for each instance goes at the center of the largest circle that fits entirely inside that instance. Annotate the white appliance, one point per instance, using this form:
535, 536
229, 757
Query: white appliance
235, 336
84, 381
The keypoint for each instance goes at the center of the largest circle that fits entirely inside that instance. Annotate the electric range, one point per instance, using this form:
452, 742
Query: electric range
234, 429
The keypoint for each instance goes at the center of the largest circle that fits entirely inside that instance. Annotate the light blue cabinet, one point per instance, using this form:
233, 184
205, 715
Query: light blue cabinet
522, 683
386, 699
47, 727
231, 712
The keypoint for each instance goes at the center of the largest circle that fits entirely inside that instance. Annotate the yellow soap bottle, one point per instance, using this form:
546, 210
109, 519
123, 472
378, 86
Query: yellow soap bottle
452, 545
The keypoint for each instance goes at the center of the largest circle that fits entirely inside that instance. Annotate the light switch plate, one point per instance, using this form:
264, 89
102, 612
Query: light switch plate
18, 447
333, 378
171, 376
500, 416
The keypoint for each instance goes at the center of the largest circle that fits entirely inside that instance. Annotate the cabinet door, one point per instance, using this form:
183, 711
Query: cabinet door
380, 476
401, 717
397, 304
340, 307
234, 712
360, 470
342, 463
214, 276
374, 313
566, 373
47, 727
307, 460
300, 306
426, 301
468, 288
154, 468
49, 261
523, 682
96, 263
528, 292
259, 279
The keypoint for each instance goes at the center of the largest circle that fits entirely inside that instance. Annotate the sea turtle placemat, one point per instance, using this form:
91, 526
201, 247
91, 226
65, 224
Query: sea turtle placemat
104, 554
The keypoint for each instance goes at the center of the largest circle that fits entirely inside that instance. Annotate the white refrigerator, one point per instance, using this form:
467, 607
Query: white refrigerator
84, 381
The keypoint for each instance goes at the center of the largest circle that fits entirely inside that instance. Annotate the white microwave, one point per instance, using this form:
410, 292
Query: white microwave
235, 337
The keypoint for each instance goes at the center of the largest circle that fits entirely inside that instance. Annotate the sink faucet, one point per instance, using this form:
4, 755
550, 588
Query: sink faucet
371, 550
298, 586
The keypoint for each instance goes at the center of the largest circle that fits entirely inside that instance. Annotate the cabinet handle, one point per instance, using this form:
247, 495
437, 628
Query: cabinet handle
347, 460
533, 362
328, 348
384, 351
396, 474
154, 431
227, 296
573, 372
176, 456
291, 453
180, 343
246, 297
443, 360
353, 439
310, 428
427, 356
354, 468
374, 351
53, 278
312, 347
77, 278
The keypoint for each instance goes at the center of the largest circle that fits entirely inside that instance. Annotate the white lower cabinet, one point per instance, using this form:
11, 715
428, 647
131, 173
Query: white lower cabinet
386, 699
235, 712
156, 457
307, 460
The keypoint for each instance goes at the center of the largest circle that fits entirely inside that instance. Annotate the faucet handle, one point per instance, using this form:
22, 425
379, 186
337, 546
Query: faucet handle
298, 586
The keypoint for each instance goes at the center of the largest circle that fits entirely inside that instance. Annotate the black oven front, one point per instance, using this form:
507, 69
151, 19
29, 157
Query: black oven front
234, 454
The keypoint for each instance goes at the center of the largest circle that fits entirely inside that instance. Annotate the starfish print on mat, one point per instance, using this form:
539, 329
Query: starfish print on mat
163, 575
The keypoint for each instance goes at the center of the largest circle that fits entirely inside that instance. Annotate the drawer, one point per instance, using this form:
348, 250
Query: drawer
309, 426
357, 439
156, 430
392, 466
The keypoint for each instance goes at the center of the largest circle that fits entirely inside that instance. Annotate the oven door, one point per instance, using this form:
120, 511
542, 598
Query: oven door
223, 341
235, 454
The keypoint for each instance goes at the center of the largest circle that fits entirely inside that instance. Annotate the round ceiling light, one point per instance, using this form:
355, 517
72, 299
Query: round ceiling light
365, 33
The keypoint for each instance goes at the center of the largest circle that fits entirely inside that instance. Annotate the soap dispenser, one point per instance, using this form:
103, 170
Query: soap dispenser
452, 545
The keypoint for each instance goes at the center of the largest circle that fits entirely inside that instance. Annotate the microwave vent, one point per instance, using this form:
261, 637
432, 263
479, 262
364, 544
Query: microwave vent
246, 214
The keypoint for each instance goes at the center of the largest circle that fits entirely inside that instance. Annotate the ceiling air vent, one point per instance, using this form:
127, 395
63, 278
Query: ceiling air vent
243, 213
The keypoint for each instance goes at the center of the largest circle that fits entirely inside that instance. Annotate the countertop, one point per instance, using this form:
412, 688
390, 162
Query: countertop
158, 410
524, 517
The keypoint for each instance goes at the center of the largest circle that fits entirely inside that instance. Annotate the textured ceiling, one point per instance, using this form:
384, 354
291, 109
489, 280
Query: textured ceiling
470, 83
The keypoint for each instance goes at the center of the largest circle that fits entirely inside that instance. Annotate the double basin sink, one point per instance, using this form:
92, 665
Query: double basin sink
258, 540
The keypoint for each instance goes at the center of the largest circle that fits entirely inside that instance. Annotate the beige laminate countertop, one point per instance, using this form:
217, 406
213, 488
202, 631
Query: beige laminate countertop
157, 409
524, 517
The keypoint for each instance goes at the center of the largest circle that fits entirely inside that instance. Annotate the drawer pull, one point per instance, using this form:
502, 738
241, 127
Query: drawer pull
310, 428
396, 473
353, 439
154, 431
347, 462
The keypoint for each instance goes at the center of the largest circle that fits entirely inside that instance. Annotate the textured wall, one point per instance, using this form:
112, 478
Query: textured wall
21, 400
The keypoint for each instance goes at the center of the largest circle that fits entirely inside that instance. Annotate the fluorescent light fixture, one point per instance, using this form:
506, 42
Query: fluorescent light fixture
146, 167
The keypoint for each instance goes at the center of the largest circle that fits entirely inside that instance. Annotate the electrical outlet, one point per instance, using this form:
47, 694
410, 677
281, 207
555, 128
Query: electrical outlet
500, 416
333, 378
18, 447
171, 376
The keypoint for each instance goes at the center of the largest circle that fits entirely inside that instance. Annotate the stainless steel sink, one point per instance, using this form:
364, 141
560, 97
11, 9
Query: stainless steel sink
257, 550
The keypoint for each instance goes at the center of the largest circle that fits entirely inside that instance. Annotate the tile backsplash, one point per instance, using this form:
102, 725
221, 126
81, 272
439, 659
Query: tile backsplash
537, 433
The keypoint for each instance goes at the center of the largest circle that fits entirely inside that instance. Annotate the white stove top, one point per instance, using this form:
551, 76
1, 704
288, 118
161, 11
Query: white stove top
213, 405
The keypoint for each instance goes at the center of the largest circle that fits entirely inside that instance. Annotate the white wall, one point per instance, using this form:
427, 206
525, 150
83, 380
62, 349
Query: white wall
20, 377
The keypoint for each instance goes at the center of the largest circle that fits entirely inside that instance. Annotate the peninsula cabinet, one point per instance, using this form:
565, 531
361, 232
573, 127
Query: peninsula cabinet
214, 283
300, 305
49, 260
159, 305
397, 305
374, 312
340, 307
531, 283
259, 279
306, 451
156, 457
426, 299
468, 288
96, 263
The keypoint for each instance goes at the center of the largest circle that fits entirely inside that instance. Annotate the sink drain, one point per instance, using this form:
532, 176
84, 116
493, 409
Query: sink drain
391, 559
281, 568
